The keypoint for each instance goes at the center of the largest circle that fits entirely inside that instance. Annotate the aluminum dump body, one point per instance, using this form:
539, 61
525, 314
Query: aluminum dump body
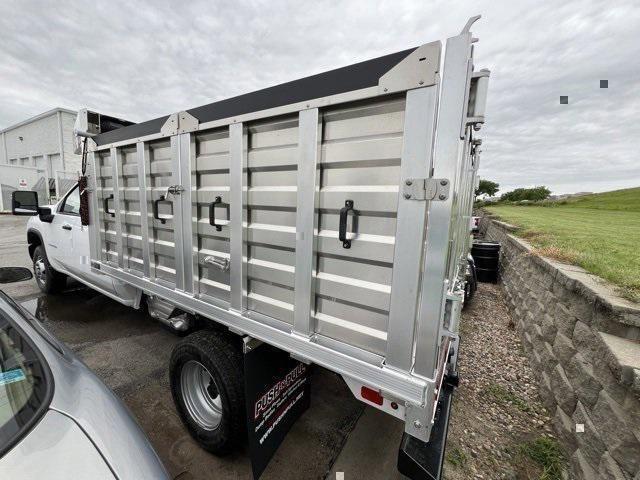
326, 216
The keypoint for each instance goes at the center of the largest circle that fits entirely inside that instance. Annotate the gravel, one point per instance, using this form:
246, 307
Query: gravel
496, 409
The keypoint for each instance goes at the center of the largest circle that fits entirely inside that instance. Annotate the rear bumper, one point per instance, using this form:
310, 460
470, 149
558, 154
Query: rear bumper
419, 460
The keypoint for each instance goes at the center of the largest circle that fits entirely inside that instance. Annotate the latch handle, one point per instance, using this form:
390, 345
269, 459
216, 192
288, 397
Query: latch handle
219, 262
105, 205
342, 231
212, 213
156, 208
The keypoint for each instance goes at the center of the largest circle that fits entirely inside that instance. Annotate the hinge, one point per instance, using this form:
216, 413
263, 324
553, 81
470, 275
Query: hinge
426, 189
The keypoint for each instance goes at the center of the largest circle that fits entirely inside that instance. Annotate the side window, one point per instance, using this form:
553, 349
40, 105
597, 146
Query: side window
71, 204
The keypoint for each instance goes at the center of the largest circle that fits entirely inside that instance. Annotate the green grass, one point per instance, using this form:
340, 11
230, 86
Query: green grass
504, 396
456, 457
547, 453
598, 232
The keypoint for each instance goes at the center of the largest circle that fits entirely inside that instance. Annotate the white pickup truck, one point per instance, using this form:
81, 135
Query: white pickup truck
327, 217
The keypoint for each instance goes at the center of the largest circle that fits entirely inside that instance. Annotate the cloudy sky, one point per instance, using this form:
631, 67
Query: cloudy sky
141, 60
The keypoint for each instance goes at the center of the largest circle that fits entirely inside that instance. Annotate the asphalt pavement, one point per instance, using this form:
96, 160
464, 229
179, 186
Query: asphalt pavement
130, 352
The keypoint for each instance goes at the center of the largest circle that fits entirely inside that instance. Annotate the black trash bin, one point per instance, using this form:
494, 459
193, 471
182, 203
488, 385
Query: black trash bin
486, 256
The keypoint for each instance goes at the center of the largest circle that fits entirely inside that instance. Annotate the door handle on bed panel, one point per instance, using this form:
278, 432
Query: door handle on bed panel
342, 232
66, 226
156, 208
212, 213
105, 205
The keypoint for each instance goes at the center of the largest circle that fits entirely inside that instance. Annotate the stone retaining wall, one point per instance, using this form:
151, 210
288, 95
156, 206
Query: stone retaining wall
584, 344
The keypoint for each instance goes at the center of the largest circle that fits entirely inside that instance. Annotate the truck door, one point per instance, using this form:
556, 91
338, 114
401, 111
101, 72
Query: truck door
73, 243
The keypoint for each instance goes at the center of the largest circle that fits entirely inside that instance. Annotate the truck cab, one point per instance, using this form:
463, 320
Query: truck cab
59, 247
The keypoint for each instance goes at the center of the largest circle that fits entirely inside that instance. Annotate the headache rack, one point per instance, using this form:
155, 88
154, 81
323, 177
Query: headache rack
328, 216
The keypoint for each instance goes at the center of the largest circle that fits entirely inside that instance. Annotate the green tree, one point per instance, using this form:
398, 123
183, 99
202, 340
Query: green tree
487, 187
532, 194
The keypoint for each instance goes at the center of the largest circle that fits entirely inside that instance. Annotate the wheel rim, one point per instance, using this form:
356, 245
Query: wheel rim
40, 270
201, 395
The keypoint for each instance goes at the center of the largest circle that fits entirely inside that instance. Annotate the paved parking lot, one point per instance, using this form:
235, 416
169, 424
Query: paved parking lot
130, 353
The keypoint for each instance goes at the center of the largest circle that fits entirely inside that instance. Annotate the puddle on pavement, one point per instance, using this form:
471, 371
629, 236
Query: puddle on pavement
81, 314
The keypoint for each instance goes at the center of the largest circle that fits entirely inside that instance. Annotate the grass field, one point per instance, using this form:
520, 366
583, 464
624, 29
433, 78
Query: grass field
600, 233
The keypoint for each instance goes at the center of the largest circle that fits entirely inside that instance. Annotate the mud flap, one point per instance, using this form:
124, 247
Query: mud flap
277, 392
420, 460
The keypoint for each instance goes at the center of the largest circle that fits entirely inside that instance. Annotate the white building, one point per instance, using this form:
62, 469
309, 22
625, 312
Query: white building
40, 147
43, 141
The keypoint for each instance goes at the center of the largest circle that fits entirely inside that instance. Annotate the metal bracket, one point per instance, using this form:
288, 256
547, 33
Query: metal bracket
249, 343
418, 421
478, 98
181, 122
435, 189
453, 312
419, 69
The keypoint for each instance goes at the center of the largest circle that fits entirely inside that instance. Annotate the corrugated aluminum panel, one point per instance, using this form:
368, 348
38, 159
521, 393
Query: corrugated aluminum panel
129, 186
161, 235
107, 222
210, 179
360, 161
271, 216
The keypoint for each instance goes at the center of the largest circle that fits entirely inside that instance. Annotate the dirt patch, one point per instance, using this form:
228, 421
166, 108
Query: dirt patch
499, 428
560, 254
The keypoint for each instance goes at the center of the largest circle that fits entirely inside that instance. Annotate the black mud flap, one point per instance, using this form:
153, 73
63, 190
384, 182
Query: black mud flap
420, 460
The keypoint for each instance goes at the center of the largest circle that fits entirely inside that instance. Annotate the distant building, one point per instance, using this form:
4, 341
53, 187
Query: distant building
44, 141
39, 148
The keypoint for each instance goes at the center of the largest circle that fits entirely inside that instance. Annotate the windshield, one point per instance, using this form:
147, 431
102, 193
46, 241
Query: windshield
24, 383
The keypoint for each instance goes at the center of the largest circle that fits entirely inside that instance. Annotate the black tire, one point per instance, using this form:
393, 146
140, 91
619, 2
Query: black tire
221, 355
49, 280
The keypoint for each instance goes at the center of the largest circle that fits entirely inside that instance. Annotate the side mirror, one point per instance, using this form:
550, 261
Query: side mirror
14, 274
45, 214
24, 202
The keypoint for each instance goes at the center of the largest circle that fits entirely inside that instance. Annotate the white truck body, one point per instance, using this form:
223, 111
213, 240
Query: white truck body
232, 212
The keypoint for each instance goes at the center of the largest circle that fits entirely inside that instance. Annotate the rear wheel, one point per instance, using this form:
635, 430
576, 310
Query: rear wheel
48, 279
207, 385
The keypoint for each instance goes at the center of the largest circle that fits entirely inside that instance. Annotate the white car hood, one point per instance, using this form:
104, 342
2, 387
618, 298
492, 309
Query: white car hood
55, 449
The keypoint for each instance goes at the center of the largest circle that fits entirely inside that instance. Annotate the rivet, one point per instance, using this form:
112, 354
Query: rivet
386, 89
421, 82
417, 424
407, 196
408, 182
442, 196
443, 182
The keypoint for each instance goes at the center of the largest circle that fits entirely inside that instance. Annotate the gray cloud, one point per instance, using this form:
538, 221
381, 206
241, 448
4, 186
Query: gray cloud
141, 60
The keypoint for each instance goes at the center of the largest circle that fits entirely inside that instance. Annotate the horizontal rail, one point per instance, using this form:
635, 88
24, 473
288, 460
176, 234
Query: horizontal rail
401, 385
